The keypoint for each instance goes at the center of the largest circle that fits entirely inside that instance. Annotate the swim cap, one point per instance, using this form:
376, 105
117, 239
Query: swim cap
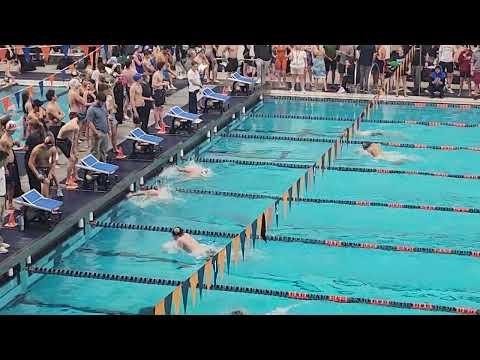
366, 145
11, 126
204, 171
177, 231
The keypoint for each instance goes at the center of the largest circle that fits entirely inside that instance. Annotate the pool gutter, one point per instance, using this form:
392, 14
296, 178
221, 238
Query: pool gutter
70, 224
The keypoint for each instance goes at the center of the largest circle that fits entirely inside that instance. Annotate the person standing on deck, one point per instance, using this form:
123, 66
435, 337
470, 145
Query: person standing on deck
97, 123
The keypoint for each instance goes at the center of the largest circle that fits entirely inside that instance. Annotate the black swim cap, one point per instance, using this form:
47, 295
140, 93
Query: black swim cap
177, 231
366, 145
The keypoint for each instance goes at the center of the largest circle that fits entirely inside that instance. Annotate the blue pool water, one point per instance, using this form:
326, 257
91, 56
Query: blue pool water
397, 276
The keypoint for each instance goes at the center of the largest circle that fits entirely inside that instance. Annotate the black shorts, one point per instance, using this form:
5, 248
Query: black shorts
447, 67
232, 65
341, 68
380, 68
465, 74
65, 145
55, 129
159, 97
11, 178
330, 65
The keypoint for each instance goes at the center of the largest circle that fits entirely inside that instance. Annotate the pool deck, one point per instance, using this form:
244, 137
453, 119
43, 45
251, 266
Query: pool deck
27, 242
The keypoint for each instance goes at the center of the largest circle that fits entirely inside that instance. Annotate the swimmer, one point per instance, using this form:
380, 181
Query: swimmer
378, 132
194, 171
160, 193
376, 152
187, 243
373, 149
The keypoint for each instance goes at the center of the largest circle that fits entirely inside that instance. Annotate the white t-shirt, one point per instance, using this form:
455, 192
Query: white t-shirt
299, 59
3, 188
193, 77
446, 52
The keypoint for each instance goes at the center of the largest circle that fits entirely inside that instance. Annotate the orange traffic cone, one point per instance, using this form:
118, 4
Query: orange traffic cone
120, 155
71, 183
12, 222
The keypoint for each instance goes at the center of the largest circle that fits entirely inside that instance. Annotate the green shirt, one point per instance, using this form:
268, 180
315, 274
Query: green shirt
330, 51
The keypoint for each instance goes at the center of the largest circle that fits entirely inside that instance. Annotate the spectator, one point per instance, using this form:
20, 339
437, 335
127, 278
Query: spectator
365, 61
263, 59
281, 63
27, 108
437, 83
67, 142
319, 69
418, 61
476, 70
147, 97
378, 69
76, 101
12, 178
97, 122
211, 54
138, 59
39, 114
331, 60
36, 136
40, 164
298, 63
159, 94
445, 56
346, 53
55, 115
308, 65
465, 67
402, 76
136, 99
3, 193
194, 86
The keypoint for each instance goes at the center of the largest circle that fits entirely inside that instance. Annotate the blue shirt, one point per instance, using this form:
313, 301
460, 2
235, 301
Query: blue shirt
98, 116
441, 75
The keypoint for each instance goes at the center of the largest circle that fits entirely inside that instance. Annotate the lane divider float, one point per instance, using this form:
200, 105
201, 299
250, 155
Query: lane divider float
331, 141
292, 239
258, 291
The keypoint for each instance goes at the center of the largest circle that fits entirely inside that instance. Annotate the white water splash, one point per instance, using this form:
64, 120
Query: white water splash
282, 310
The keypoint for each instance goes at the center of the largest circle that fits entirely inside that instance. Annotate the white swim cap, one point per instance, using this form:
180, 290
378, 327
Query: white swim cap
205, 171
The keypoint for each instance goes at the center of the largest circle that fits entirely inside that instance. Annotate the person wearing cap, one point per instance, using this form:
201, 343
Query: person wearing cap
98, 125
77, 102
137, 100
12, 178
67, 142
41, 164
187, 243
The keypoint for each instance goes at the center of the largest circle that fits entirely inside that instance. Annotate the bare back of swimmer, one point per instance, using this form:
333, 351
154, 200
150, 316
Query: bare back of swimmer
160, 193
194, 171
187, 243
373, 149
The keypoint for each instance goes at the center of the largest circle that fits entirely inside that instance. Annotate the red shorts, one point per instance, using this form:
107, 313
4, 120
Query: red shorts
281, 64
476, 77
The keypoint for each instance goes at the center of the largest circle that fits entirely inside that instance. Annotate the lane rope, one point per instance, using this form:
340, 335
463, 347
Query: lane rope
344, 141
332, 201
253, 163
334, 118
292, 239
403, 172
259, 291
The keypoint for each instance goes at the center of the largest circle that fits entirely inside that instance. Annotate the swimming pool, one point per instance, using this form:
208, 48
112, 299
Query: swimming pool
289, 266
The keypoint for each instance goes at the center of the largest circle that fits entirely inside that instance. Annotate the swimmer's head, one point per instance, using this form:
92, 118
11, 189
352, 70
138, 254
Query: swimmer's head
205, 172
366, 145
177, 232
